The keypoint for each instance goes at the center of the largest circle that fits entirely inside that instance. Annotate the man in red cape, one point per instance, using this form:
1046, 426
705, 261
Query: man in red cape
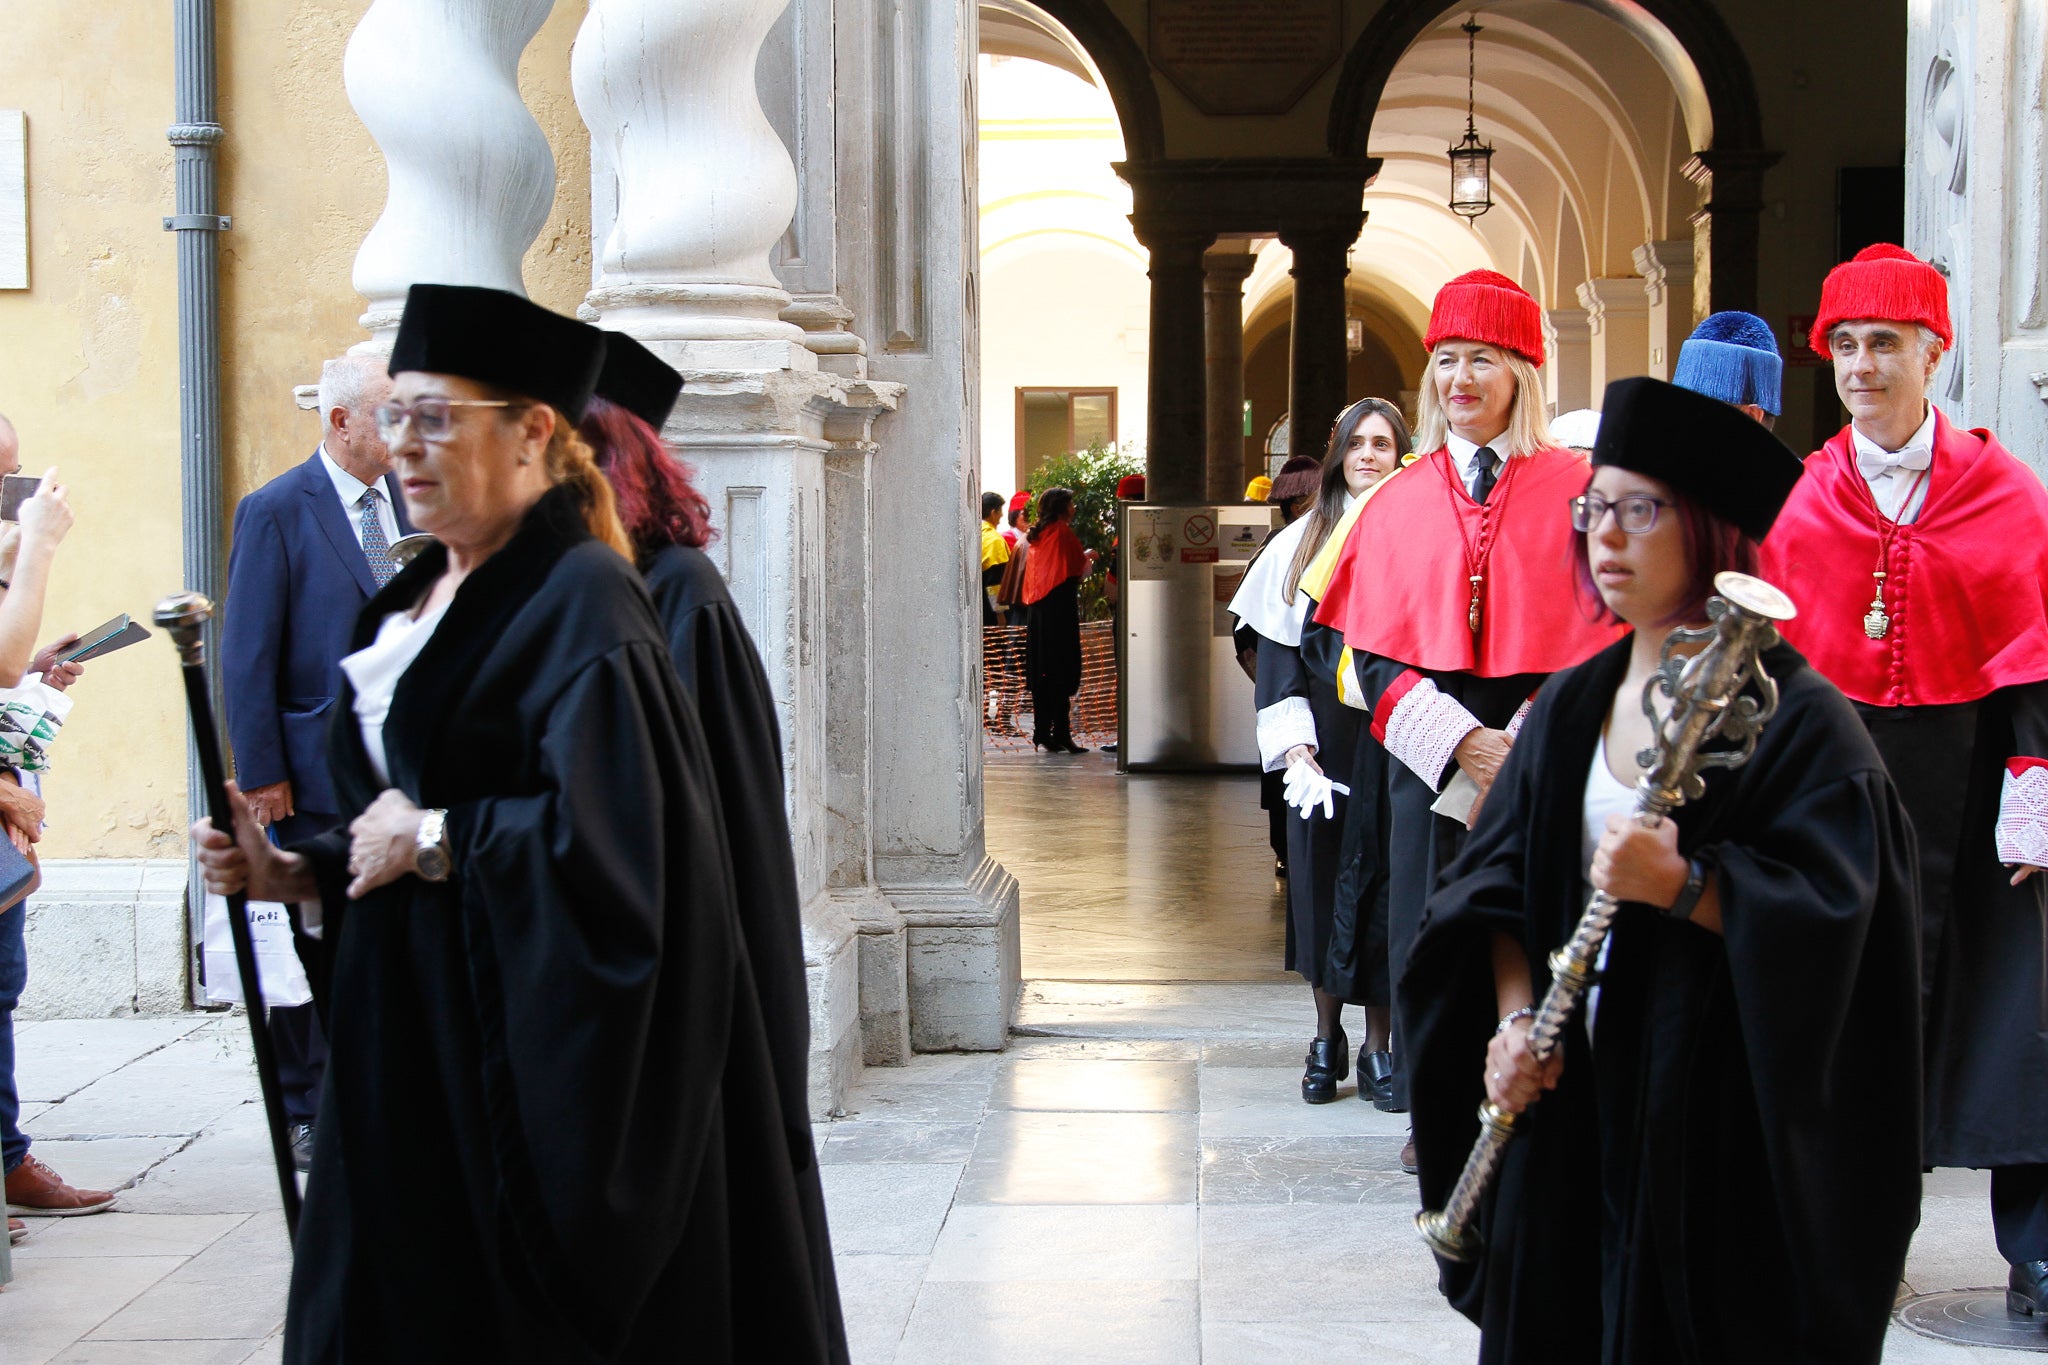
1453, 598
1917, 553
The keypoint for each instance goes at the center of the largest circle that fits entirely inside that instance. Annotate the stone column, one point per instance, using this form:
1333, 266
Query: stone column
704, 190
940, 959
1667, 269
1977, 206
1618, 321
793, 79
470, 174
1317, 361
1223, 328
1175, 459
1725, 226
1568, 371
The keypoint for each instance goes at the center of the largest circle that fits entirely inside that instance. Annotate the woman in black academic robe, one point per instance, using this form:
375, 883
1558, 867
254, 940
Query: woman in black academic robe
1310, 737
669, 523
1729, 1122
550, 1129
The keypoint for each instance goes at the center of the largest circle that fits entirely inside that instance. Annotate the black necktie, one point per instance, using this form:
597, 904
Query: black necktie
1486, 472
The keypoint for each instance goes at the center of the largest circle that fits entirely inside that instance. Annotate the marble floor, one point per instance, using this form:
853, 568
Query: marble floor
1134, 1180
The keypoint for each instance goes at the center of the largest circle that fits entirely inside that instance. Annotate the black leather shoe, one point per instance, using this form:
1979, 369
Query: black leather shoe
1328, 1062
1376, 1079
2026, 1289
301, 1135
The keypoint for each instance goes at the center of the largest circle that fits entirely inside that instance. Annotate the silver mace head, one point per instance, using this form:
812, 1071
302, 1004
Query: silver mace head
183, 616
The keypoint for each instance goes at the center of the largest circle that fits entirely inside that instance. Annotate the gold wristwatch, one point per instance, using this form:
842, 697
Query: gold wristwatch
430, 855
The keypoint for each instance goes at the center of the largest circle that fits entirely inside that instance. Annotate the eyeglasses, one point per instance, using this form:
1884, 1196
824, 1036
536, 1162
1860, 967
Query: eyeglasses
431, 419
1634, 515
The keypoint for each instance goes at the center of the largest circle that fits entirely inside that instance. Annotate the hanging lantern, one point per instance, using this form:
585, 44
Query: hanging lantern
1471, 159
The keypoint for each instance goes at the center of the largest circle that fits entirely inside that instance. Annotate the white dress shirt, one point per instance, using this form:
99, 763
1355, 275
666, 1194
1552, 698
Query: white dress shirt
1466, 455
1891, 474
350, 490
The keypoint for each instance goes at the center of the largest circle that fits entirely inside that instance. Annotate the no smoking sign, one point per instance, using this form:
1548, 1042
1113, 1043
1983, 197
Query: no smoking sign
1198, 529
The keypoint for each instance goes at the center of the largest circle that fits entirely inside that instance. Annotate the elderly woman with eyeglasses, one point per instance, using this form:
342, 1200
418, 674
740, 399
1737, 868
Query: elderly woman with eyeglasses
550, 1130
1739, 1103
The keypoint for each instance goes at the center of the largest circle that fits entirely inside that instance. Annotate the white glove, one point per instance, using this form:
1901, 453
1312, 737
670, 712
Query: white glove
1307, 787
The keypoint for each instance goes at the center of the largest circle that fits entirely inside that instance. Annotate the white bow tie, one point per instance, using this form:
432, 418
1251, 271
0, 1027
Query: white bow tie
1872, 462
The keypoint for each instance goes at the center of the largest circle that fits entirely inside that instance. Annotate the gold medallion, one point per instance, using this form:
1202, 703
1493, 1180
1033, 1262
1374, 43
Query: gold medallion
1472, 615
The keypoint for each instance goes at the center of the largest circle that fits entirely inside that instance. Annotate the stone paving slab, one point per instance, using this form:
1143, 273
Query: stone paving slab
986, 1207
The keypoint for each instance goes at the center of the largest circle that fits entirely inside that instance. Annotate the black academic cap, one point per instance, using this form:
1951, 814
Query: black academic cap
1715, 454
638, 380
500, 339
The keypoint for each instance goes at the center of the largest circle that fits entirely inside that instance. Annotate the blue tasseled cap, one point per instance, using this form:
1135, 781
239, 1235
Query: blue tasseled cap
1733, 356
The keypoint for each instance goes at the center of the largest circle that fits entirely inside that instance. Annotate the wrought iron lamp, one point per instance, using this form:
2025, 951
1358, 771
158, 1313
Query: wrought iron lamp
1471, 159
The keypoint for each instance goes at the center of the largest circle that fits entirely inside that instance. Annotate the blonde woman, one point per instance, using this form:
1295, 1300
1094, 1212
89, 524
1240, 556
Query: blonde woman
1452, 599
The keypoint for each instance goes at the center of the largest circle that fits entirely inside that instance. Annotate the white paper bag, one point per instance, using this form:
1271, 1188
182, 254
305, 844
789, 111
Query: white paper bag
278, 968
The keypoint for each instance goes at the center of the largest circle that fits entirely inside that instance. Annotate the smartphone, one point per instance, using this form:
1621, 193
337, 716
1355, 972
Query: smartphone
16, 489
118, 633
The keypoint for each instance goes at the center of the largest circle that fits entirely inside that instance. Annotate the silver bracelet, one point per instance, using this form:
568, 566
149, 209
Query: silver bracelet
1526, 1012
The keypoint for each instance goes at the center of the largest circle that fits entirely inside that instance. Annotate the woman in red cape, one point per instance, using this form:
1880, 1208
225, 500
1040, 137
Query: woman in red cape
1453, 599
1052, 639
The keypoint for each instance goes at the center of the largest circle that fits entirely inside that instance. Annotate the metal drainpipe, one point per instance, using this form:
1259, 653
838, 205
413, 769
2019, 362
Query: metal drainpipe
198, 223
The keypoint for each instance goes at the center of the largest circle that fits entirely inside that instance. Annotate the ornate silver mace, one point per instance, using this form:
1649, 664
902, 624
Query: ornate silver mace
1710, 702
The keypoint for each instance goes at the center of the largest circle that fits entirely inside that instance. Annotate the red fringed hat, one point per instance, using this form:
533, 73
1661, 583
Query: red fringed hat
1020, 500
1887, 282
1131, 488
1485, 305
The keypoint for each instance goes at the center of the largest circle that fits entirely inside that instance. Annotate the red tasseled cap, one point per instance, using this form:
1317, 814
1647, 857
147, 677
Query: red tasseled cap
1131, 487
1882, 282
1485, 305
1020, 500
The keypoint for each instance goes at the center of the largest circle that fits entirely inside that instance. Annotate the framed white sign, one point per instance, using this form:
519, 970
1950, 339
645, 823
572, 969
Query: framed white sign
13, 199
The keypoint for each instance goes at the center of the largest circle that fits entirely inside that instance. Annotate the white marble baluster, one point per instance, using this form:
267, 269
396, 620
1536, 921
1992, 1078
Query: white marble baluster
705, 187
471, 177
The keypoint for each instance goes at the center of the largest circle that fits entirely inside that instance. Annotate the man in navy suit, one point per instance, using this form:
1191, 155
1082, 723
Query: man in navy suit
310, 548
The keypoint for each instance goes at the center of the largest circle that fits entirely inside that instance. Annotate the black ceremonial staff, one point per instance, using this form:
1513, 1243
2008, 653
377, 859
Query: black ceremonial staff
184, 618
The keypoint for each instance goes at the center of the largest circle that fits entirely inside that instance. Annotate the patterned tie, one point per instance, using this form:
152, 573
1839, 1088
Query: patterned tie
1487, 467
376, 548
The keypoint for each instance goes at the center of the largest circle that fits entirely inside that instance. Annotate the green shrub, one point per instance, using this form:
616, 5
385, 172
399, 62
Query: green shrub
1093, 475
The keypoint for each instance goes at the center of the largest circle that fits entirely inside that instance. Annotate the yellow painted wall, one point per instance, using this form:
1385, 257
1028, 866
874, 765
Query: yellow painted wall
89, 354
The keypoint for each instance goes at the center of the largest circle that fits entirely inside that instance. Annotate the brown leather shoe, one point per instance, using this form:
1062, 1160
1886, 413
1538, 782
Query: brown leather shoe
1408, 1154
36, 1191
16, 1230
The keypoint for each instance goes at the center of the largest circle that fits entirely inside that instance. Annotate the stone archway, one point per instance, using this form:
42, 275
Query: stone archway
1707, 68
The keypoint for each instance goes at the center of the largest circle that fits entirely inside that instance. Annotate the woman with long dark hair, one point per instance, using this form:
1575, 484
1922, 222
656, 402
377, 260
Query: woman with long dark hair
1052, 639
669, 525
1712, 1121
1307, 732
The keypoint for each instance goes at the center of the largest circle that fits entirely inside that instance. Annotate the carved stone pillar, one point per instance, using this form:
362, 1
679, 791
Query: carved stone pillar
470, 174
793, 81
1725, 225
1223, 328
939, 943
1317, 361
704, 193
704, 186
1175, 448
1977, 205
1618, 322
1667, 269
1568, 366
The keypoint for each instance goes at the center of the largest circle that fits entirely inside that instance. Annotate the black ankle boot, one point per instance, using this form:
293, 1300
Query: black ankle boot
1328, 1062
1376, 1079
2026, 1289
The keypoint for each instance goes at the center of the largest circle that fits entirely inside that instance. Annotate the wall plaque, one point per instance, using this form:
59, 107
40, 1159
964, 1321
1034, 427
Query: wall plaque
1232, 58
13, 199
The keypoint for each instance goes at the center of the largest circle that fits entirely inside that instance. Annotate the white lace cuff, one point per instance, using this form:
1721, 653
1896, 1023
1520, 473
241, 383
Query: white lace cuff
1521, 714
2023, 813
1283, 725
1421, 726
